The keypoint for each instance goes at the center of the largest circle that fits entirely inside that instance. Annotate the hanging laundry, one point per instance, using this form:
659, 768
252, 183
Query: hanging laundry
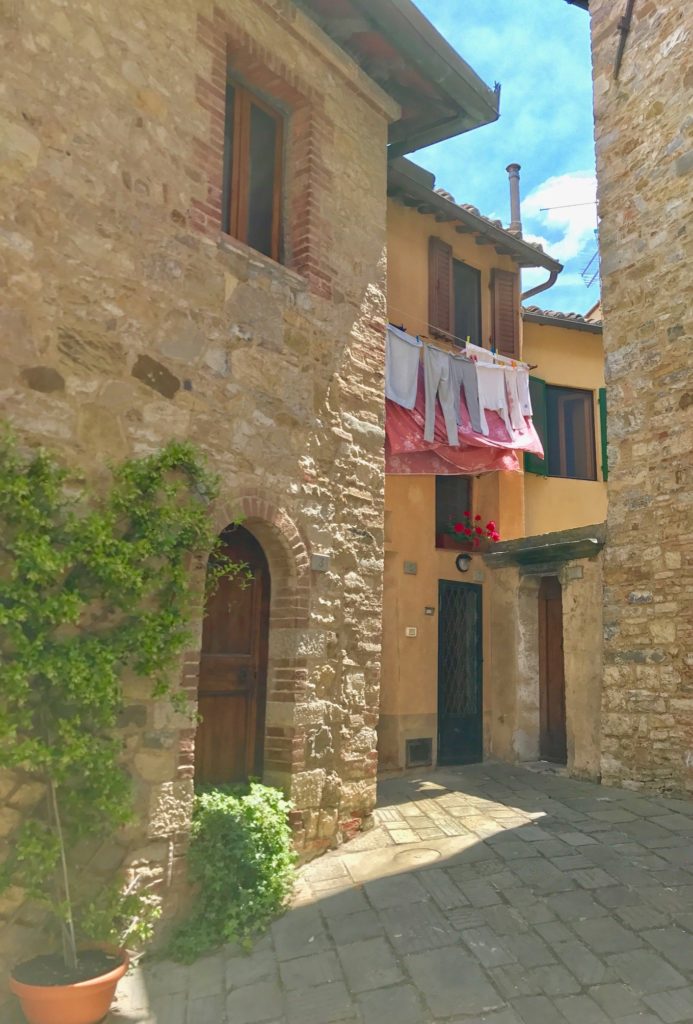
523, 391
513, 396
401, 366
463, 372
438, 382
492, 396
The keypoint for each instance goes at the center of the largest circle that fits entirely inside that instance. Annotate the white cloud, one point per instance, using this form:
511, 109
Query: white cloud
566, 228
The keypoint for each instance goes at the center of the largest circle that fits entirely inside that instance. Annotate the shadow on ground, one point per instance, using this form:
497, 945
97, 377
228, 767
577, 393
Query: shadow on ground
490, 893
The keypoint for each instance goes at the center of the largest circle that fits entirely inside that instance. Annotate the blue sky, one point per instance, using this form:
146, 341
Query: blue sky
539, 51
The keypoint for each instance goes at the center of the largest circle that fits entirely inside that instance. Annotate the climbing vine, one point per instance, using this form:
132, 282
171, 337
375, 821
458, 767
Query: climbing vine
91, 586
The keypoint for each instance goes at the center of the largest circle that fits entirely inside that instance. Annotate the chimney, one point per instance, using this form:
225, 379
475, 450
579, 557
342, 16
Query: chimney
514, 180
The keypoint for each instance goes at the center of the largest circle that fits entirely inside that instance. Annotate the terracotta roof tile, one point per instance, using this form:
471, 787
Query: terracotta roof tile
558, 315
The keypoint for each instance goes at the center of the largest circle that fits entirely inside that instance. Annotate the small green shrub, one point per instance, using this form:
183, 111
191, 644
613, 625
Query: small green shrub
242, 857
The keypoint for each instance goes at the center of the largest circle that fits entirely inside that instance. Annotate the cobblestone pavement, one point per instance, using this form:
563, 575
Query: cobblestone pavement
489, 893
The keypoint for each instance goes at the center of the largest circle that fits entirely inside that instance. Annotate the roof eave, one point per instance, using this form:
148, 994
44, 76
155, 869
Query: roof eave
559, 321
469, 101
430, 202
429, 50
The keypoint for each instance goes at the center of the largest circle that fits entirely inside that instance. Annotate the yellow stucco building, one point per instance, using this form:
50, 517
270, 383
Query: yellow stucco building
497, 654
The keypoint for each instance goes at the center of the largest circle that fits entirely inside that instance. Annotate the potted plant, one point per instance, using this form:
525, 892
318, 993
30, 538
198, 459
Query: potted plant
90, 586
467, 533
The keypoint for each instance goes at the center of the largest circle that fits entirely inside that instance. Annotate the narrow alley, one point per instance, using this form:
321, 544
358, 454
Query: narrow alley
509, 895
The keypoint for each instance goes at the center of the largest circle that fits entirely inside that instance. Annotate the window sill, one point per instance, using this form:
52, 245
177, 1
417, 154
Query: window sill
227, 243
446, 542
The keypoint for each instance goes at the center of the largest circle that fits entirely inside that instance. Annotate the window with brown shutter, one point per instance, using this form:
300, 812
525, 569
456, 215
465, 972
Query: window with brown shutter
439, 288
506, 312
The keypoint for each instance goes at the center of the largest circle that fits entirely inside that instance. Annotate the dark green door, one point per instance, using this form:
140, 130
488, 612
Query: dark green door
460, 715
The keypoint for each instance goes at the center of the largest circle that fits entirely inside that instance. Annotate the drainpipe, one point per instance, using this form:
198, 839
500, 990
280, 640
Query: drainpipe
514, 181
541, 287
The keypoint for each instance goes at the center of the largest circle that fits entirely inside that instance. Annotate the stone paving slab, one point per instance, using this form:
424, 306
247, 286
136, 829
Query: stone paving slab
485, 895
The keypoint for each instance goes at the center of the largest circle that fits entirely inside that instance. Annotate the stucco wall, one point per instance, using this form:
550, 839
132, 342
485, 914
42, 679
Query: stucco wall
644, 171
569, 358
409, 689
126, 321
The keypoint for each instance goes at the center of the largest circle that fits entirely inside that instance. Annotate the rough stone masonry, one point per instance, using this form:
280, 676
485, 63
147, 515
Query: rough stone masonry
644, 142
128, 320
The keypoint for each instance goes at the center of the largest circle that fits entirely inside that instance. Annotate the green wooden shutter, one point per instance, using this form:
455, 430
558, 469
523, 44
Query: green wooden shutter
537, 392
602, 433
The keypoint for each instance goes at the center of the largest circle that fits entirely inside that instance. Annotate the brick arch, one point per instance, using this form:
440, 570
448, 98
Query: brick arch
287, 672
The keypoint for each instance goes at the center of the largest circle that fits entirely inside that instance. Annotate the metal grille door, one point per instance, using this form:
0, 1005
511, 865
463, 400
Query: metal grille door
460, 714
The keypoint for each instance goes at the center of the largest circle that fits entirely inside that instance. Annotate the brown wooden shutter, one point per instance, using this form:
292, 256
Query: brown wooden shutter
506, 313
440, 313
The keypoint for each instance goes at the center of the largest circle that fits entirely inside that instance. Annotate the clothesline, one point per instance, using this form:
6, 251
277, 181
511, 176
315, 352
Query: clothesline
463, 343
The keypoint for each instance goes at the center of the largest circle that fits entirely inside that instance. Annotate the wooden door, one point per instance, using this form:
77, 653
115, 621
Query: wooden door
552, 737
460, 713
233, 669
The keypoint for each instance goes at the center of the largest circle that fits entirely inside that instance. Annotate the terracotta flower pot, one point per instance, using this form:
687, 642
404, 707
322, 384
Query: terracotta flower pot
84, 1002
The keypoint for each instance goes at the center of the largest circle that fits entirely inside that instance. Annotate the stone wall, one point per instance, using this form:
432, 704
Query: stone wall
128, 320
645, 174
512, 698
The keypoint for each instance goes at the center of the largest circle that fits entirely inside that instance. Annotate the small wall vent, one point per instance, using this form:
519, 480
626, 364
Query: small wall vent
419, 753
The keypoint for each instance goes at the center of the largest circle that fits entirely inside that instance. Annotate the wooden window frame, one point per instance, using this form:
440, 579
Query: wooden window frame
441, 315
236, 183
545, 427
589, 439
453, 311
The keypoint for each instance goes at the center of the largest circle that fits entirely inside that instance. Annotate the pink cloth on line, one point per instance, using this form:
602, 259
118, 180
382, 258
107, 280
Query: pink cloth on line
446, 460
404, 430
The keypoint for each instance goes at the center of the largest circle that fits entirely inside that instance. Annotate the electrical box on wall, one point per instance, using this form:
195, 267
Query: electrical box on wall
410, 630
411, 568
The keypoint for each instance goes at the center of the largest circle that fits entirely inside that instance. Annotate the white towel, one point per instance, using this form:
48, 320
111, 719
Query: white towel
491, 381
401, 367
514, 401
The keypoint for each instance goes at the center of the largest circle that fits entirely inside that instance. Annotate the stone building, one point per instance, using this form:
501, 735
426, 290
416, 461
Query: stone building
643, 84
192, 245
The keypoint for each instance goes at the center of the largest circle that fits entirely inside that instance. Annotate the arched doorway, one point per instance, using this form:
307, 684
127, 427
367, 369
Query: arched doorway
233, 669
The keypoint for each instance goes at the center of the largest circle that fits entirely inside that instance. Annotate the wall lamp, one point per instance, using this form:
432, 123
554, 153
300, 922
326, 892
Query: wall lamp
463, 561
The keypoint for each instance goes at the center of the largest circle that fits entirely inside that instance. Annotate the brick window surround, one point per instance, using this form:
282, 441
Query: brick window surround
308, 182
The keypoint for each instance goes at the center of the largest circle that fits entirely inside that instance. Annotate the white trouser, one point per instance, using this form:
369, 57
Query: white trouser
438, 380
463, 372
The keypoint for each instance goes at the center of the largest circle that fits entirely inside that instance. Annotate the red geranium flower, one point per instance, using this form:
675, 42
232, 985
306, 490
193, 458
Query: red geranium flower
467, 530
491, 526
478, 529
477, 519
495, 536
458, 527
468, 514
